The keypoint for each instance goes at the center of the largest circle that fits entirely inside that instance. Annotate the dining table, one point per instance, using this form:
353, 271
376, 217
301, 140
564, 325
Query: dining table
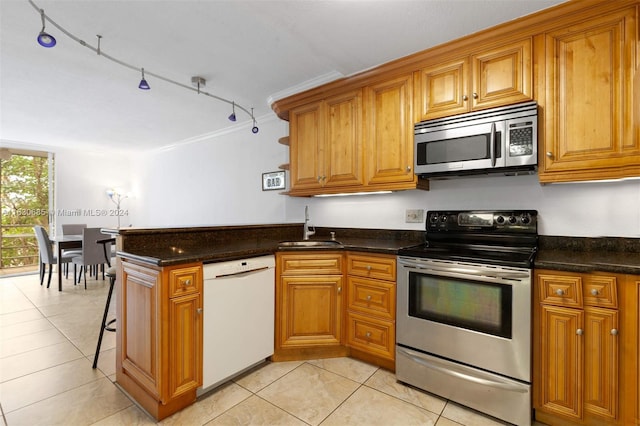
65, 242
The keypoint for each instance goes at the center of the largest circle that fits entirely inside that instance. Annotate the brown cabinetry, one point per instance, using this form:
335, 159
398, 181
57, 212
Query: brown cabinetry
326, 144
159, 332
576, 348
495, 76
630, 362
309, 305
371, 307
585, 87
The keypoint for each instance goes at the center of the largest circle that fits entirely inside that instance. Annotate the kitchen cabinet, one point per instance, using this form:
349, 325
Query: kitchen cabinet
371, 308
326, 144
576, 348
159, 333
309, 305
585, 88
493, 77
630, 306
388, 145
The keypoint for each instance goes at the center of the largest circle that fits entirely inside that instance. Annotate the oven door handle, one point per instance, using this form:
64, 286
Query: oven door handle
458, 271
444, 370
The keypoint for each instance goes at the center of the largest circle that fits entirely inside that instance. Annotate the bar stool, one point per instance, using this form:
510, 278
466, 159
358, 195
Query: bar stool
111, 274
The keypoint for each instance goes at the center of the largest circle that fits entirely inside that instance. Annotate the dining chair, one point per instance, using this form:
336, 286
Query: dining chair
92, 253
111, 274
46, 253
72, 229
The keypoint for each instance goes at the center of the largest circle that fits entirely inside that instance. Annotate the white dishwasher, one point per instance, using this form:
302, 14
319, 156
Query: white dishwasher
239, 305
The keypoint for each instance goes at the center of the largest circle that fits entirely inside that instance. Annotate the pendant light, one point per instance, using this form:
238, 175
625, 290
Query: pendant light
143, 83
232, 117
45, 39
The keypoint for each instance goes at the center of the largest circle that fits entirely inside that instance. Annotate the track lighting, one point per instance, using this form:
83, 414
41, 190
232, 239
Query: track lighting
143, 83
232, 117
45, 39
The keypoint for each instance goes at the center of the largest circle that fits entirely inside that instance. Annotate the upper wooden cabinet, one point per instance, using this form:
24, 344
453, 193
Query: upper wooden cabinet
326, 144
585, 91
489, 78
389, 134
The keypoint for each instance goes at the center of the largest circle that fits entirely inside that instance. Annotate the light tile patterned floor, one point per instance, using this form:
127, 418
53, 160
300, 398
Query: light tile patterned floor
47, 342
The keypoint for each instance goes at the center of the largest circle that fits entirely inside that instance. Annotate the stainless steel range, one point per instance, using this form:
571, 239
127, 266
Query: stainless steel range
464, 310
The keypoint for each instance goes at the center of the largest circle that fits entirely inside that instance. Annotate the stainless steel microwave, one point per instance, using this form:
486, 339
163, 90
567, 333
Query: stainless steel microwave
499, 140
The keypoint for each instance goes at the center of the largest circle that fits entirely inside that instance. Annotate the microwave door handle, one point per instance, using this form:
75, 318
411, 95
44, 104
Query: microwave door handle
492, 144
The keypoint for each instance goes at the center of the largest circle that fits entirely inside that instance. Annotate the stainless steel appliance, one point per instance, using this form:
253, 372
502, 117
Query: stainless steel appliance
500, 140
463, 327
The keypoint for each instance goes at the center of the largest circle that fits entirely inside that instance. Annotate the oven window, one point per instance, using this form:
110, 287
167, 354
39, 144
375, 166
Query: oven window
479, 306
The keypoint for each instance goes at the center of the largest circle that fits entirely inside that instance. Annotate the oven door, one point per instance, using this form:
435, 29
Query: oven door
475, 314
460, 148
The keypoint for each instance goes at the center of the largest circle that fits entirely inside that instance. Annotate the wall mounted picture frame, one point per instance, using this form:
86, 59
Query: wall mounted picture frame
273, 180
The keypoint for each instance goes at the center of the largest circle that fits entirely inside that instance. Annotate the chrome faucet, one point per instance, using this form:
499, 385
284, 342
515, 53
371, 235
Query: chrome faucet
308, 230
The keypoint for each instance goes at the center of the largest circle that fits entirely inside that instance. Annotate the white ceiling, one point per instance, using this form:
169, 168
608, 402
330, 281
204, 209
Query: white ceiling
249, 51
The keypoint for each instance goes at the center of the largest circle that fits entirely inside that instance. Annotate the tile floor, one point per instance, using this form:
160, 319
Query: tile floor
47, 342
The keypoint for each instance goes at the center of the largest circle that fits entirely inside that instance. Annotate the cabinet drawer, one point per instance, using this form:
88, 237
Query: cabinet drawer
310, 263
379, 267
371, 335
372, 297
561, 290
600, 291
184, 281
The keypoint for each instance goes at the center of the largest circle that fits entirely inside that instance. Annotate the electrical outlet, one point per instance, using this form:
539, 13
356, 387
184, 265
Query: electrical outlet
414, 216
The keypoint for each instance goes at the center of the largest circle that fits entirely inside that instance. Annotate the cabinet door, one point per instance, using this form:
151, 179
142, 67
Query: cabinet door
389, 133
601, 362
185, 344
502, 76
561, 359
139, 327
310, 311
442, 89
588, 127
630, 367
343, 157
306, 136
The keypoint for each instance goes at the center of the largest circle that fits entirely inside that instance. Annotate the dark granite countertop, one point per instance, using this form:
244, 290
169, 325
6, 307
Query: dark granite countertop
574, 254
176, 249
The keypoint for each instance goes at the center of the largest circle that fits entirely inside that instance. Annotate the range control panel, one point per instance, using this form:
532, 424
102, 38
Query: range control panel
481, 220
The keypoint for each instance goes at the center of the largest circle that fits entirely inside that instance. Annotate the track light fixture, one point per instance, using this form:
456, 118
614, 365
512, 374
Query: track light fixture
143, 83
232, 117
47, 40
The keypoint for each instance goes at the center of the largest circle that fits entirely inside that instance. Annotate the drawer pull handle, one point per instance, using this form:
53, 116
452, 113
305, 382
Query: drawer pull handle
368, 267
614, 332
368, 334
595, 292
579, 332
199, 311
187, 282
368, 297
560, 292
339, 290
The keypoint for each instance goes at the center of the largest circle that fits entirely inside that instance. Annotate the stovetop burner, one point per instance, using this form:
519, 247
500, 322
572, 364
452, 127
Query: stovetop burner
507, 238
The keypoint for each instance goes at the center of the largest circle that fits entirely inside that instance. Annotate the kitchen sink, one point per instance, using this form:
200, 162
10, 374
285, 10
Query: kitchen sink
306, 244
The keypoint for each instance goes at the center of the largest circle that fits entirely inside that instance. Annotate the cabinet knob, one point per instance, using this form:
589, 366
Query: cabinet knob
339, 290
614, 332
408, 168
368, 334
368, 297
475, 96
368, 267
465, 98
579, 332
560, 292
594, 292
199, 311
549, 154
187, 282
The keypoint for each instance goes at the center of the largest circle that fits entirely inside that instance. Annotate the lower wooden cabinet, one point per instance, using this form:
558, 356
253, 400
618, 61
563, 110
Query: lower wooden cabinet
159, 334
371, 308
586, 348
309, 305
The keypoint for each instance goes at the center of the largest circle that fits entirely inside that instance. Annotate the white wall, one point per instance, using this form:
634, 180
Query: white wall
578, 209
213, 181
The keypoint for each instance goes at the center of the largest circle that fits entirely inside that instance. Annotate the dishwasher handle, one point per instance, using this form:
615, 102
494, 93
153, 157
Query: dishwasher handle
243, 273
